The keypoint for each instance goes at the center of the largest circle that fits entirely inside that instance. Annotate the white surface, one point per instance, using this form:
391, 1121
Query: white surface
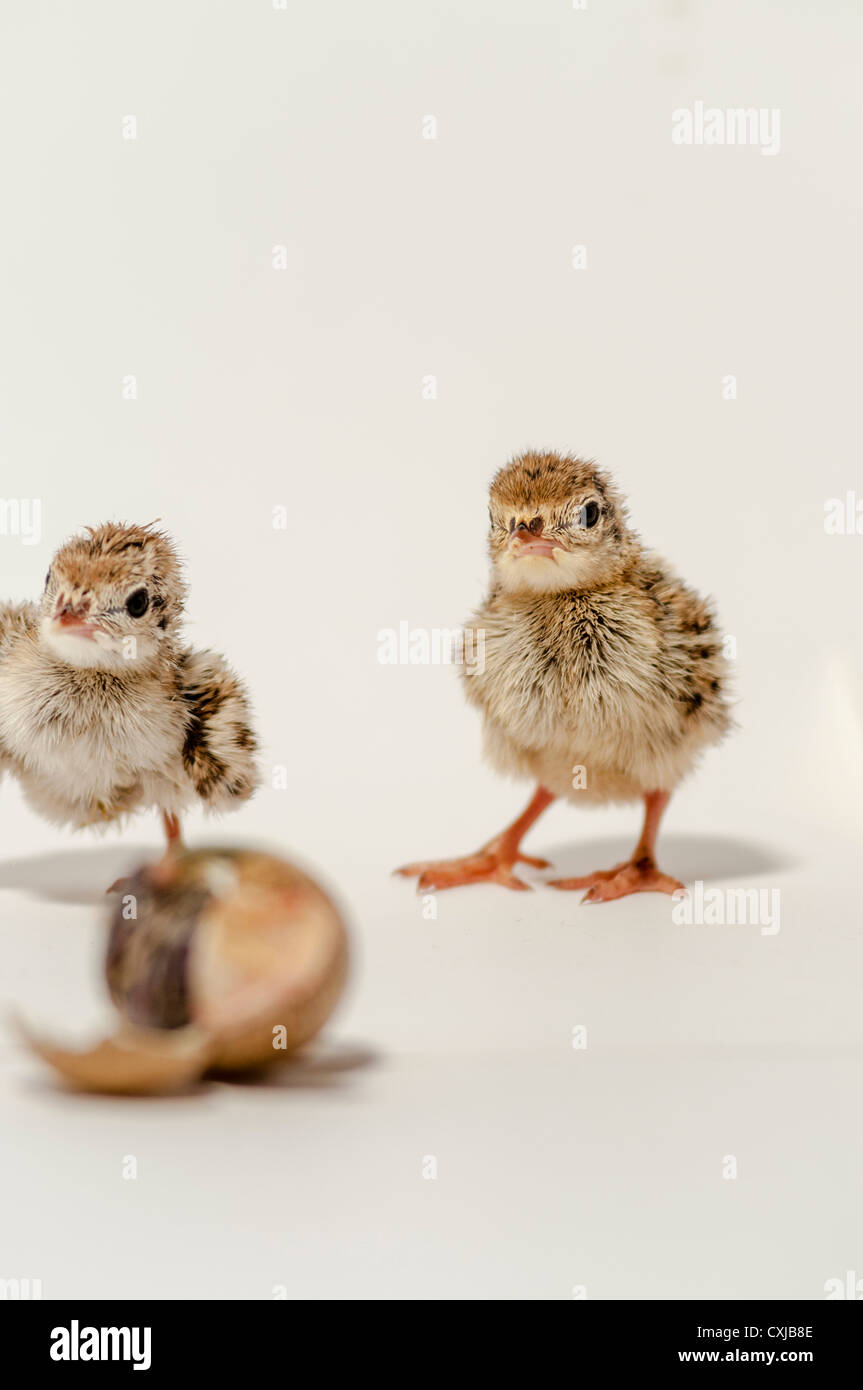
259, 388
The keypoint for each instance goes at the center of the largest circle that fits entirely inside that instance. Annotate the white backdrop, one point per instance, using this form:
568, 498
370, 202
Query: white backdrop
281, 260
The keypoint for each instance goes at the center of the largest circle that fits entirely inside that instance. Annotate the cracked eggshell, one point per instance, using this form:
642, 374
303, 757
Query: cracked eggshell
135, 1062
217, 960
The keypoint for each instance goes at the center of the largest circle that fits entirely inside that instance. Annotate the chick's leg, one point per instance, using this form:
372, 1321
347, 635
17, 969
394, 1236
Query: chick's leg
173, 833
491, 864
174, 838
637, 874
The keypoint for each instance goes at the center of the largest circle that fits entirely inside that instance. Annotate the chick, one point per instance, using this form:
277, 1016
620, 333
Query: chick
103, 710
603, 676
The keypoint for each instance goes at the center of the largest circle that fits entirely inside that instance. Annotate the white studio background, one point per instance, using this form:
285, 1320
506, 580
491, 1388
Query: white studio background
281, 260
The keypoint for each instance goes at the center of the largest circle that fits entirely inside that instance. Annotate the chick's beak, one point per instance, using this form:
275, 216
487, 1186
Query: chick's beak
73, 617
528, 540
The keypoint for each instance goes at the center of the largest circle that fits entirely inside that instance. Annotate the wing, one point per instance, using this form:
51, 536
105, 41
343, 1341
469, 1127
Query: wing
15, 620
220, 747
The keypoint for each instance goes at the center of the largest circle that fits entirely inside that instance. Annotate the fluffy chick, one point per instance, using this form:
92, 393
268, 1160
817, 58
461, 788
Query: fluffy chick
103, 710
596, 657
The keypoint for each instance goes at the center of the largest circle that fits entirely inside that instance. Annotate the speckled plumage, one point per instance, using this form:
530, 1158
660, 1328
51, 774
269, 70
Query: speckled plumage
623, 675
104, 711
602, 674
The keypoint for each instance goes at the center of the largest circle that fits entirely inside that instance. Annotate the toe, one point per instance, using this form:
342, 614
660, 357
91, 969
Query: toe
507, 879
413, 870
586, 881
630, 879
609, 890
433, 879
664, 883
456, 873
533, 862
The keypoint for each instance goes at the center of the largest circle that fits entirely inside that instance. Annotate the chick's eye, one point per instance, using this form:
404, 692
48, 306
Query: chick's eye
137, 603
47, 579
589, 515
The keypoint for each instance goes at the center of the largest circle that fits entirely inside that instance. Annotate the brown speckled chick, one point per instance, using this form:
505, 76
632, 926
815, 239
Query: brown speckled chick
103, 709
603, 676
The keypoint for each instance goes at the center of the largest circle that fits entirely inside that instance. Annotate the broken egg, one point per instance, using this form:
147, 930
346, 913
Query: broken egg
217, 960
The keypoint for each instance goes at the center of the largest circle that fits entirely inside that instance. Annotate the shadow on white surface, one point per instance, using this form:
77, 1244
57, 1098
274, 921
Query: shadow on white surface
84, 876
74, 875
687, 857
327, 1066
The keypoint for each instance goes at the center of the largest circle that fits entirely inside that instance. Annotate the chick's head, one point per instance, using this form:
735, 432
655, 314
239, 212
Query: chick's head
112, 597
557, 523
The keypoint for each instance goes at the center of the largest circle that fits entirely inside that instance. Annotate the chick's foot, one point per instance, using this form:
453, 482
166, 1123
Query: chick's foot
633, 876
493, 863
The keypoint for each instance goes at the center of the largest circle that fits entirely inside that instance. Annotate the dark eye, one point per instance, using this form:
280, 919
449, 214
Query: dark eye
138, 603
47, 579
589, 515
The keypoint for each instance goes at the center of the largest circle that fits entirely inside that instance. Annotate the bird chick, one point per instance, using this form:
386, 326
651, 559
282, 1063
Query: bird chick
603, 676
103, 709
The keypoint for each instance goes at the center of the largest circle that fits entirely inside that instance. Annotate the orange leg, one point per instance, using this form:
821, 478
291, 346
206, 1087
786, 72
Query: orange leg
174, 838
173, 834
639, 873
491, 864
